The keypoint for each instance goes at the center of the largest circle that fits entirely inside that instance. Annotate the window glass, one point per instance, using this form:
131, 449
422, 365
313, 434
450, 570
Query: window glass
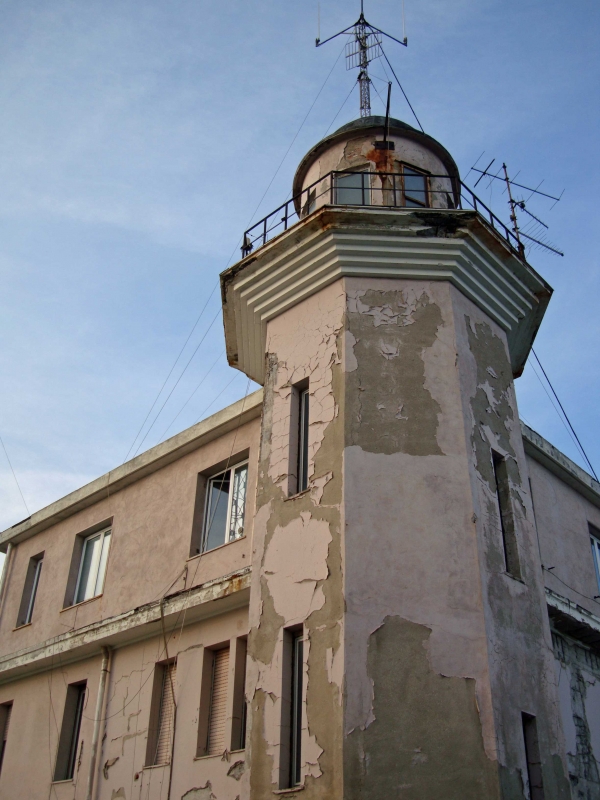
93, 566
34, 588
415, 188
238, 502
353, 189
225, 507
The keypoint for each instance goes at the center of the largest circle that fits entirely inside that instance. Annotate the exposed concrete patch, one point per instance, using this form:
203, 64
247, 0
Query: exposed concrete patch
236, 770
300, 538
390, 408
199, 793
402, 752
107, 765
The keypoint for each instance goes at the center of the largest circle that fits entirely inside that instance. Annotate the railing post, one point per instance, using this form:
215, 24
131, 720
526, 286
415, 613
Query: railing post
265, 231
331, 182
285, 217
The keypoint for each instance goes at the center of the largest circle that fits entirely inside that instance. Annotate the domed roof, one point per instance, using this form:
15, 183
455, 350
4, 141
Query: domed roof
376, 125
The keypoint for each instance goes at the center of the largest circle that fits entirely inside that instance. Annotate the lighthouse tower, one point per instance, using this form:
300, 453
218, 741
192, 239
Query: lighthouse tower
399, 643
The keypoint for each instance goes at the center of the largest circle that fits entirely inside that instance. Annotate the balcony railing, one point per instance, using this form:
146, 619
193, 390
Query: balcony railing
346, 188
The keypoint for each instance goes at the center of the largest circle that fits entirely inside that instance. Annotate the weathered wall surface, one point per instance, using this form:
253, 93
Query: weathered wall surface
150, 546
518, 635
578, 678
562, 516
38, 704
418, 719
297, 558
359, 152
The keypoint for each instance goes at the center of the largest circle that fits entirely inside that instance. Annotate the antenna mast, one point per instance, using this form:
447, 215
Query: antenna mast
363, 47
521, 205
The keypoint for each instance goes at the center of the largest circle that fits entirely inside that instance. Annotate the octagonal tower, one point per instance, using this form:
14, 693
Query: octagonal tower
398, 627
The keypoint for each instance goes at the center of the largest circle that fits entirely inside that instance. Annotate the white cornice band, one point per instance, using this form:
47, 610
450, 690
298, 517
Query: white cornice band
308, 257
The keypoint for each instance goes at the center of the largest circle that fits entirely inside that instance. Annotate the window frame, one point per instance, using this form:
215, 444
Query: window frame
366, 190
70, 731
303, 437
104, 533
595, 542
510, 545
6, 710
206, 523
30, 589
402, 186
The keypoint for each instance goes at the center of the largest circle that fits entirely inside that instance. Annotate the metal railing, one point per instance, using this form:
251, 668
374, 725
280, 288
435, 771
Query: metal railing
396, 190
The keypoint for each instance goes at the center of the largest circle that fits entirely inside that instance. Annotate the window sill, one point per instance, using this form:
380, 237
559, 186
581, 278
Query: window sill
157, 766
214, 549
220, 755
83, 602
289, 791
57, 783
514, 578
20, 627
295, 497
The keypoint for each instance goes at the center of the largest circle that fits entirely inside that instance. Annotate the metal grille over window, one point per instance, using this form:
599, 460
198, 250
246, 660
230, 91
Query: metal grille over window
225, 507
166, 715
218, 703
93, 566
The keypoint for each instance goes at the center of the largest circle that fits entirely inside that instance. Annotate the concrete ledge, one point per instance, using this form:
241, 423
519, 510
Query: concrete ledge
139, 467
189, 606
573, 620
560, 465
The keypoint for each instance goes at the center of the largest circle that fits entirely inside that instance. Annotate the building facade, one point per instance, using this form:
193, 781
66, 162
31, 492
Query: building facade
366, 580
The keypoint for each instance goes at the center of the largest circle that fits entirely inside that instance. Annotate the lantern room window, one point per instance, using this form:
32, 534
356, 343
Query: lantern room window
353, 189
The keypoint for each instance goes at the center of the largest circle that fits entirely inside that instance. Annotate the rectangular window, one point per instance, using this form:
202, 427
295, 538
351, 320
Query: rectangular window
296, 715
532, 755
303, 419
595, 541
415, 188
291, 709
166, 715
162, 715
225, 507
32, 579
507, 523
5, 714
353, 189
69, 732
216, 743
92, 567
238, 722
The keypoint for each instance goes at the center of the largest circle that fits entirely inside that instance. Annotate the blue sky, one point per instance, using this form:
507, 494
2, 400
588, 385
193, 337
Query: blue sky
137, 139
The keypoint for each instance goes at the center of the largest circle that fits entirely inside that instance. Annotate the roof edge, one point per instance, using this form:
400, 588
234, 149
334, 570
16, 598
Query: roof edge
560, 465
137, 468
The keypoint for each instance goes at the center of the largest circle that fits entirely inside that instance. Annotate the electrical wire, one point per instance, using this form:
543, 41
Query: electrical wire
214, 319
402, 90
214, 364
354, 85
215, 287
195, 325
581, 594
14, 476
565, 414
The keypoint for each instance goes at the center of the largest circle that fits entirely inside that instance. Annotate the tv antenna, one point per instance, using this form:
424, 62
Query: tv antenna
364, 46
534, 224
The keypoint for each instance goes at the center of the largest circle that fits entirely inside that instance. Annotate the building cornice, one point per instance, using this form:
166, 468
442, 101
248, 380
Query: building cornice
429, 244
560, 465
139, 467
189, 606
